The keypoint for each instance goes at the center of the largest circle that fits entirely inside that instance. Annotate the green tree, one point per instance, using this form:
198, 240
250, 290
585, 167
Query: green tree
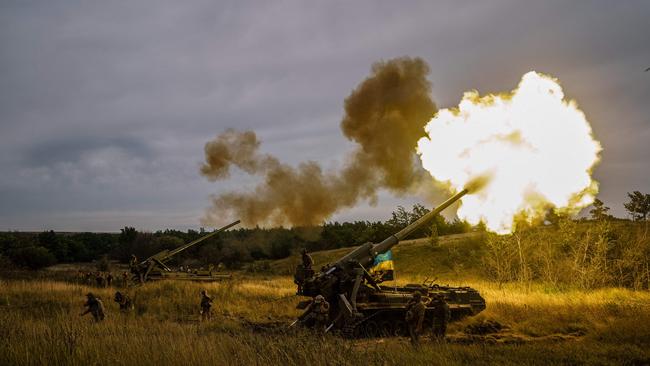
638, 206
599, 210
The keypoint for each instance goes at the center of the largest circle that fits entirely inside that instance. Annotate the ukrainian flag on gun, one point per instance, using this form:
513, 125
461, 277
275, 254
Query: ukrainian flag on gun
383, 268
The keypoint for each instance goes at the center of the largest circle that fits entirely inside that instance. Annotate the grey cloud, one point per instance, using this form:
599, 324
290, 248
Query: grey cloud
105, 106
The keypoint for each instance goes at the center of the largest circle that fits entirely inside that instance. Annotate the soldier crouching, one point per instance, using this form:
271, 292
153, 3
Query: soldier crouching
94, 306
317, 314
124, 301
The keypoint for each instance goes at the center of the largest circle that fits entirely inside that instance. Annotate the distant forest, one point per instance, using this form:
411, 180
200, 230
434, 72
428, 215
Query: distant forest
233, 248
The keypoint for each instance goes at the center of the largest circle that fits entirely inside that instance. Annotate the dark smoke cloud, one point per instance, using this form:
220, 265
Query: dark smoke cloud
385, 115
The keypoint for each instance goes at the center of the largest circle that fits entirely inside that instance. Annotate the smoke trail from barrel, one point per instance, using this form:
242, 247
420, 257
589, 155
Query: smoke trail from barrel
385, 115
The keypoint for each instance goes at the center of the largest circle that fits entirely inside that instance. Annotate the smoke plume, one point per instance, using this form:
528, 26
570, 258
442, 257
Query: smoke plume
385, 115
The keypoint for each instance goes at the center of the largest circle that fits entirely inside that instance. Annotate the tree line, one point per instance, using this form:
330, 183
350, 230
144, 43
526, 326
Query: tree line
232, 248
235, 248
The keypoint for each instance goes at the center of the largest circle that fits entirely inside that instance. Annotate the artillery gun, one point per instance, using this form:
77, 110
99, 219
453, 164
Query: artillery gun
360, 306
155, 268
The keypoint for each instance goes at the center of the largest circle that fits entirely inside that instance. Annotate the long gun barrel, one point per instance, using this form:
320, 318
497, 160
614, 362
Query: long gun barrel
161, 257
205, 237
389, 242
366, 253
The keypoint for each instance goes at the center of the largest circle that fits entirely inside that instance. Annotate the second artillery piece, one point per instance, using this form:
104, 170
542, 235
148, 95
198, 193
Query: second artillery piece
360, 306
155, 267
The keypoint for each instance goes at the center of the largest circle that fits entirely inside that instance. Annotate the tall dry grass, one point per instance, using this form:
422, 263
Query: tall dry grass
41, 325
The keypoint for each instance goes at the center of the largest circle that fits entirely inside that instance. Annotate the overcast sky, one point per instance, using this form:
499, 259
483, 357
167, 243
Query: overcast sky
105, 105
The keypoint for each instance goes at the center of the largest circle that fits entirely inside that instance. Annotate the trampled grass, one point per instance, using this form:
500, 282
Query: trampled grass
41, 325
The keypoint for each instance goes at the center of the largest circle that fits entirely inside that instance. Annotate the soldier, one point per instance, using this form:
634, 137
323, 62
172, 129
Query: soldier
124, 301
299, 278
133, 265
415, 310
307, 260
441, 316
109, 279
303, 271
99, 279
95, 307
206, 304
317, 313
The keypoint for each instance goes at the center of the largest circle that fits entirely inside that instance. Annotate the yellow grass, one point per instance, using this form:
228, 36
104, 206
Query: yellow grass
40, 324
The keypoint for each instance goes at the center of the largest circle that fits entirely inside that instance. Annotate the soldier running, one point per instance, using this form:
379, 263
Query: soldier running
94, 306
415, 310
206, 305
441, 316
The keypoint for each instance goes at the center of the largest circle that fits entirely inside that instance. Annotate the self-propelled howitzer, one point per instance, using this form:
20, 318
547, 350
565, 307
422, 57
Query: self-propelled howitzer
155, 267
359, 305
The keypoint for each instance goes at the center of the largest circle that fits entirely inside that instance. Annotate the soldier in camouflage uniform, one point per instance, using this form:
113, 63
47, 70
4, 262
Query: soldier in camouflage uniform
307, 261
100, 280
135, 269
206, 305
441, 316
303, 270
415, 310
317, 314
124, 301
94, 306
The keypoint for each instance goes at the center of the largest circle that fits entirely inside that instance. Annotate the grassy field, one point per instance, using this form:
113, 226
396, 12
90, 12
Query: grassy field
41, 325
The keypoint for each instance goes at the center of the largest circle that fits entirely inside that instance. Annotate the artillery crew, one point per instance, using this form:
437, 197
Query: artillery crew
124, 301
441, 316
133, 265
94, 306
307, 261
303, 271
317, 314
206, 305
415, 310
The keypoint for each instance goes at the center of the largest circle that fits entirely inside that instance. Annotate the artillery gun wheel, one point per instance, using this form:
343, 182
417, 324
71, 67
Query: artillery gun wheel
400, 329
352, 330
385, 328
371, 329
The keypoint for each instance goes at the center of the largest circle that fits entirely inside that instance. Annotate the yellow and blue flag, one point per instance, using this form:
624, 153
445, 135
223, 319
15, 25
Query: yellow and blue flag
383, 264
